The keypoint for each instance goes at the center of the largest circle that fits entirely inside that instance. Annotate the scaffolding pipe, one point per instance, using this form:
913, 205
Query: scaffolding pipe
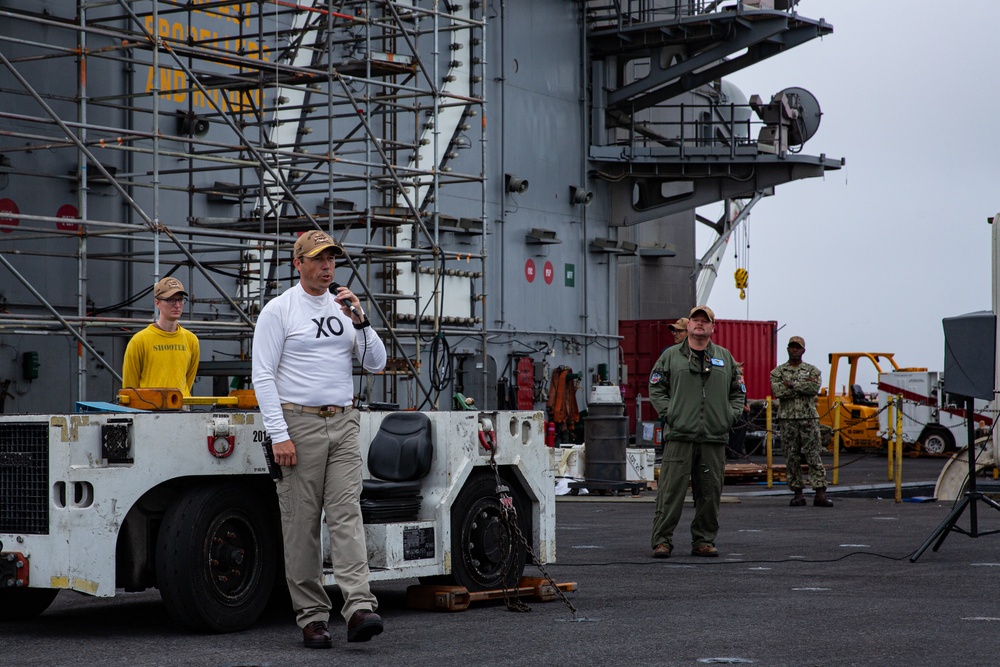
55, 314
81, 163
104, 172
406, 84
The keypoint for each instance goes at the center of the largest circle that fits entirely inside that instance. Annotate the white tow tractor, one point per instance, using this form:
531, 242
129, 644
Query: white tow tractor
930, 422
96, 502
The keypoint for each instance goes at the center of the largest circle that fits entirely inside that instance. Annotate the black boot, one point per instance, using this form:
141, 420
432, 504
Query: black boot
821, 500
799, 500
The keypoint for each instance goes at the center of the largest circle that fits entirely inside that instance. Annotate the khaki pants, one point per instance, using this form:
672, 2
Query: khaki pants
327, 476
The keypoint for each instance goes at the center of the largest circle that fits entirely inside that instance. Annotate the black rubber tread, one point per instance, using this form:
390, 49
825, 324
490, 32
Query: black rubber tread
469, 544
216, 559
945, 434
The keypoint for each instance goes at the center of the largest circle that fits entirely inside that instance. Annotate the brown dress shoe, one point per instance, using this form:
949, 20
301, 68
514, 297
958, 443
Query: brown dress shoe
316, 635
661, 551
364, 625
705, 550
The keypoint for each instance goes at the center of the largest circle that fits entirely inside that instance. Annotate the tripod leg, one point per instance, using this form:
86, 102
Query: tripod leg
971, 495
967, 503
989, 501
941, 532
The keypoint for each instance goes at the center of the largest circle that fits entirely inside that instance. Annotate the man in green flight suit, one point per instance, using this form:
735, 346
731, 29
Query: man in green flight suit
695, 388
795, 385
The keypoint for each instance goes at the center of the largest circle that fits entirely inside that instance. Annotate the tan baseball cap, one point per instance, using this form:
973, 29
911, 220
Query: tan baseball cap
797, 340
313, 243
705, 310
167, 287
680, 325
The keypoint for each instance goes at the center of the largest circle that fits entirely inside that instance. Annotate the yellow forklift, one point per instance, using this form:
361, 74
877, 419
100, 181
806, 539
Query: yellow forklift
859, 422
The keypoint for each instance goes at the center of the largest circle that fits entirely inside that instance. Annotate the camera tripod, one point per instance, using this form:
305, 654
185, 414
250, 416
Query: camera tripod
972, 496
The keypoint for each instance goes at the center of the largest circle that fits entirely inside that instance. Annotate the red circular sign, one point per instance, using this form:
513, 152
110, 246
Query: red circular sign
548, 273
69, 212
529, 270
8, 206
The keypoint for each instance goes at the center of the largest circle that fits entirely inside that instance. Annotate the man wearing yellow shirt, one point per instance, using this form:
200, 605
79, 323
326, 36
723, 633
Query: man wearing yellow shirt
164, 354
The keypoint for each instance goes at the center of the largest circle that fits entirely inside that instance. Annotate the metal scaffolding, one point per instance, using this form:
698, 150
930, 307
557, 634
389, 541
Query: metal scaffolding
221, 129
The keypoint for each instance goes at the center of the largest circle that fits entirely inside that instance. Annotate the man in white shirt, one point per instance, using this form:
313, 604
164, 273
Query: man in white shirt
303, 349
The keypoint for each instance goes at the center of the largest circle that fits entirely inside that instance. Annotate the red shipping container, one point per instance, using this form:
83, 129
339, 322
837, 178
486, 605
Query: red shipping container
752, 342
755, 343
627, 329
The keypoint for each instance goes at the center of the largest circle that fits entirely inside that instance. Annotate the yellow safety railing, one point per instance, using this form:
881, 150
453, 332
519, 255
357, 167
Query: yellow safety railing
894, 440
894, 443
770, 470
899, 449
836, 442
890, 427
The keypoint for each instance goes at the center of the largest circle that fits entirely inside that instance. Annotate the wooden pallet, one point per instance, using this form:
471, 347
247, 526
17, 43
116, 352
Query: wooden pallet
442, 597
746, 473
737, 473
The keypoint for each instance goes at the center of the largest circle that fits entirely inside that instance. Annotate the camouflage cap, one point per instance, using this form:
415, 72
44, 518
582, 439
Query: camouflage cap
797, 340
313, 243
680, 325
167, 287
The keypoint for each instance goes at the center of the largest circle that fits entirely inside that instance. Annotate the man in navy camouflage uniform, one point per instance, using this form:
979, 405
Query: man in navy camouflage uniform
795, 384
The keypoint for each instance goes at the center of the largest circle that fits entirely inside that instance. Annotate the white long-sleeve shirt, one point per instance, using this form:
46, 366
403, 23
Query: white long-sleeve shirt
302, 354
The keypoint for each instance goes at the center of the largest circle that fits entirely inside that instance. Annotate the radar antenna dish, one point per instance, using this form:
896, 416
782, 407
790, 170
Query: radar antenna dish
805, 126
790, 119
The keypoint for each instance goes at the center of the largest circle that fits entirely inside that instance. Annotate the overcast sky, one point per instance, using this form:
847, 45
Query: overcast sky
872, 257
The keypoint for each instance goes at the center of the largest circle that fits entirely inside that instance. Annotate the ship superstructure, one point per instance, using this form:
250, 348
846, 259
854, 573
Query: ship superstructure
509, 178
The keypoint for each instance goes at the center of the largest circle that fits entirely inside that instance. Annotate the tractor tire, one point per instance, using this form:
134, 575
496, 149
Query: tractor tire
216, 559
486, 554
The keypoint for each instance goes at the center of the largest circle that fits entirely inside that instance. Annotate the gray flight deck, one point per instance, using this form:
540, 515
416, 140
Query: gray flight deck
793, 586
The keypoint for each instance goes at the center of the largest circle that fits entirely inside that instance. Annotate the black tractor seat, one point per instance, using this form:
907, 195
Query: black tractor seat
858, 396
399, 458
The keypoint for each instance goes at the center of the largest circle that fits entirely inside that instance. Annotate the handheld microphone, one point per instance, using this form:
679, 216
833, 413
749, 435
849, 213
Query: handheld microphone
334, 288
